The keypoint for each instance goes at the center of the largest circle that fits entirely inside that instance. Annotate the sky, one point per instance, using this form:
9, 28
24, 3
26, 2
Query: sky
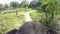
8, 1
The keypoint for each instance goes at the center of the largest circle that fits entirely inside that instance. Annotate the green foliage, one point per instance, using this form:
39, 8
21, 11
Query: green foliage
14, 10
46, 1
6, 6
14, 4
51, 9
45, 22
24, 4
45, 14
36, 16
9, 20
1, 6
34, 4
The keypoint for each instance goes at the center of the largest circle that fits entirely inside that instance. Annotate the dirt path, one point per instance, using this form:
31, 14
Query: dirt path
27, 17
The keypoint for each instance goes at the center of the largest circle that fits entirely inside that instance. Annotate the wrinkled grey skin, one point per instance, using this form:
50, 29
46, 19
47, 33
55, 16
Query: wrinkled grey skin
32, 28
13, 31
51, 31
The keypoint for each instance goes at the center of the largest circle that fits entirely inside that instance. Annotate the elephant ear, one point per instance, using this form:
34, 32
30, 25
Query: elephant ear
13, 31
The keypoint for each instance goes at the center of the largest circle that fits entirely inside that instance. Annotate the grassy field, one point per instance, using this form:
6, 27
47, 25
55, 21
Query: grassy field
14, 10
9, 20
36, 16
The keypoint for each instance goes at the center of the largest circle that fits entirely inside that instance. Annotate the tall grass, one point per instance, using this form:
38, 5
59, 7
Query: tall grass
10, 21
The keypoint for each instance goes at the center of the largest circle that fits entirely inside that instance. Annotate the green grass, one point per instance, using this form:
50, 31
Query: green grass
10, 21
14, 10
36, 15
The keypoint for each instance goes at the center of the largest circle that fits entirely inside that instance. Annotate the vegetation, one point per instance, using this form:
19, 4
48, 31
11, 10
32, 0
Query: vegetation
43, 11
14, 4
6, 6
10, 21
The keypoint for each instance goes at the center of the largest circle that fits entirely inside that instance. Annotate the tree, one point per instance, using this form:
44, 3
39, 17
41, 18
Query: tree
6, 6
24, 4
14, 4
50, 7
1, 6
34, 4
